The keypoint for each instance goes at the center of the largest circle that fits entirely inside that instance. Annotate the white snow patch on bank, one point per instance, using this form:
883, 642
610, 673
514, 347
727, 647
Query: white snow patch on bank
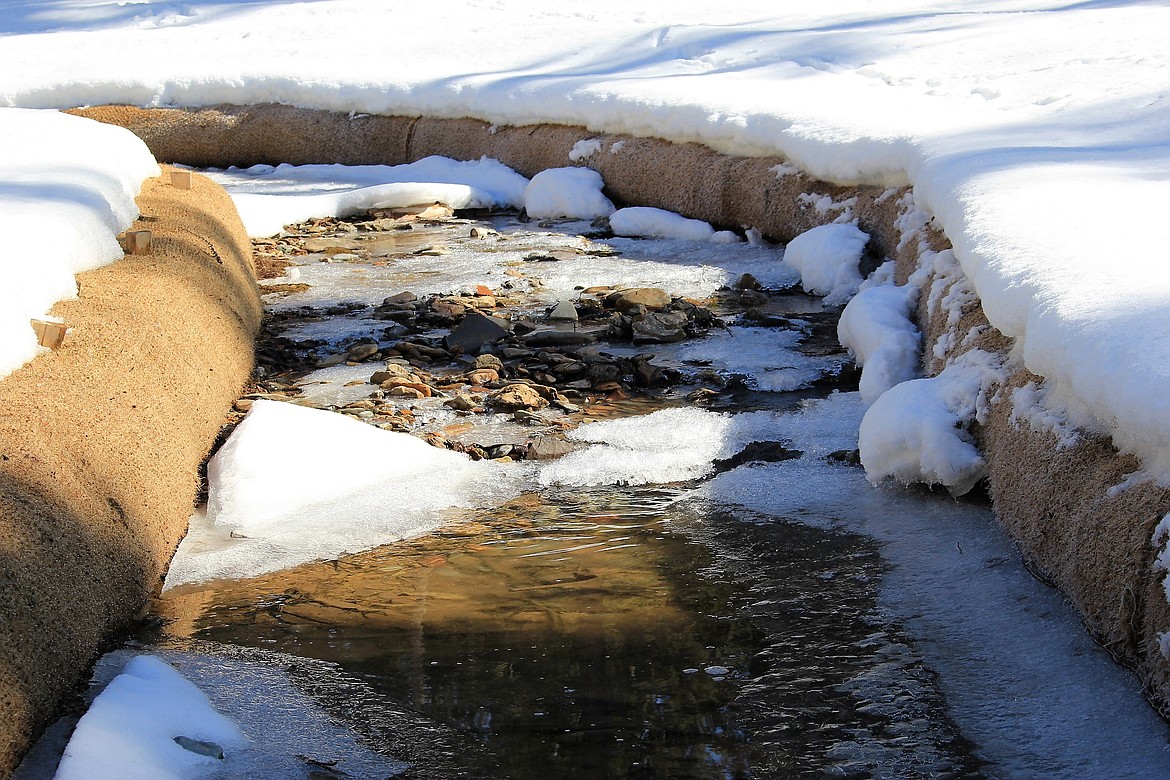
129, 731
827, 258
877, 328
294, 484
566, 192
67, 188
584, 149
647, 222
268, 198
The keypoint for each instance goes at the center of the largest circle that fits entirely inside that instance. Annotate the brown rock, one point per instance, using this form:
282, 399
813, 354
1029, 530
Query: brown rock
650, 297
518, 396
482, 376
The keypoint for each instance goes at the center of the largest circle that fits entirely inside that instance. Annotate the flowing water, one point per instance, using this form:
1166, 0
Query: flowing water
716, 627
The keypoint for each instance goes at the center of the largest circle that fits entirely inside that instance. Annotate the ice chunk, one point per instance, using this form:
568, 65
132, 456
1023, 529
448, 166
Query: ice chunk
294, 484
566, 192
656, 223
828, 257
130, 730
876, 328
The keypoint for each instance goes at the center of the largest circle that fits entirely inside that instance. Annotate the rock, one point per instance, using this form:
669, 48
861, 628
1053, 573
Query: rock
522, 326
475, 330
482, 376
209, 749
448, 309
359, 352
659, 328
564, 311
752, 298
330, 360
518, 396
747, 282
559, 338
650, 297
462, 403
391, 385
548, 447
242, 405
490, 361
405, 391
514, 353
392, 371
482, 290
498, 451
400, 298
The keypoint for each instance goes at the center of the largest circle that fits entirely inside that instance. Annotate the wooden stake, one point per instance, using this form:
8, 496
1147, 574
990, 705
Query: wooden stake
138, 242
49, 334
181, 180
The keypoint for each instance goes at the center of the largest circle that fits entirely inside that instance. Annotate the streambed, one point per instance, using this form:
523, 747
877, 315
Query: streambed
761, 612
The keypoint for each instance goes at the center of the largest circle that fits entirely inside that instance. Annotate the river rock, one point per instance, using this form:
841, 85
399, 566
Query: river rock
548, 447
475, 330
650, 297
462, 403
489, 361
359, 352
559, 338
482, 376
564, 311
392, 371
518, 396
659, 328
405, 296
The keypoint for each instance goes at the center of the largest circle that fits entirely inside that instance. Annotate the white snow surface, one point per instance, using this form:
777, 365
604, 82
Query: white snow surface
647, 222
1047, 165
129, 731
828, 257
876, 327
294, 484
567, 192
268, 197
67, 188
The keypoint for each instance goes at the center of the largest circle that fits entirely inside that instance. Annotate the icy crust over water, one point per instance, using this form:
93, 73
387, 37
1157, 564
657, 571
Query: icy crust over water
67, 188
294, 484
1021, 677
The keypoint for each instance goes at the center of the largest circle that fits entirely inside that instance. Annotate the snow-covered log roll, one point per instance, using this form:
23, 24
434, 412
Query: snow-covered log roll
101, 442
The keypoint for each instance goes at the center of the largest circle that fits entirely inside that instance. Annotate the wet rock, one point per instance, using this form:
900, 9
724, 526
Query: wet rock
747, 282
650, 297
523, 326
850, 457
564, 311
330, 360
514, 353
752, 298
405, 391
517, 396
390, 386
405, 296
482, 376
359, 352
559, 338
548, 447
475, 330
392, 371
199, 746
659, 328
490, 361
462, 403
498, 451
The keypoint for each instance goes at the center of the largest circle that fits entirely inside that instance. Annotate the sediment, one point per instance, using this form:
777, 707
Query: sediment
91, 517
101, 441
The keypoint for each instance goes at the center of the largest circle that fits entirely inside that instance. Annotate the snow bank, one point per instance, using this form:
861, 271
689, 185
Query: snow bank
566, 192
649, 222
876, 327
917, 431
129, 731
295, 193
294, 484
827, 258
67, 188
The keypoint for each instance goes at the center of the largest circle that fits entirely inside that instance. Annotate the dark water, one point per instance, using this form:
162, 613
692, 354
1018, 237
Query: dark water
615, 633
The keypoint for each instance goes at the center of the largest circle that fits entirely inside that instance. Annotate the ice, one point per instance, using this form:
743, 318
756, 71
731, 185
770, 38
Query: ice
877, 328
129, 731
566, 192
67, 188
656, 223
294, 484
827, 258
268, 198
1022, 679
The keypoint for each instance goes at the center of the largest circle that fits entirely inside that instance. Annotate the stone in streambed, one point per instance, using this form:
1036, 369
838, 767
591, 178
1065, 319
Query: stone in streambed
518, 396
650, 297
475, 330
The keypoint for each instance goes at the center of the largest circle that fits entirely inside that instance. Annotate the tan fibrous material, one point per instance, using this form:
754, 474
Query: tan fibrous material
101, 442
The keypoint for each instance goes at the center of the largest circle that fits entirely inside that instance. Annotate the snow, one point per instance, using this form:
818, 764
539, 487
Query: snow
876, 326
129, 731
294, 484
650, 222
268, 198
566, 192
827, 258
67, 188
917, 430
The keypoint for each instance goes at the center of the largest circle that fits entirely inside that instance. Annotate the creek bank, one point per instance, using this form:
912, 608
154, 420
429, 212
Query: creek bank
101, 441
